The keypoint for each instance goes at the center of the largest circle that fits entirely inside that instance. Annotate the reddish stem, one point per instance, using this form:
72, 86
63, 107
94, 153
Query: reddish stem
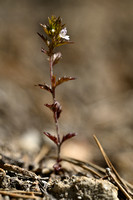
51, 73
55, 112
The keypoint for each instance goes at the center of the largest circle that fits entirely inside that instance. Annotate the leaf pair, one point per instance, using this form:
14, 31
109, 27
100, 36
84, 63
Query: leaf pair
65, 137
55, 83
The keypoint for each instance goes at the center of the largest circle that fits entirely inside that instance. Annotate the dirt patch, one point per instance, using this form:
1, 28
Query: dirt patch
81, 187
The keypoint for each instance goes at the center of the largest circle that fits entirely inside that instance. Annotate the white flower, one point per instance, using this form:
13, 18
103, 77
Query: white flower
53, 30
63, 33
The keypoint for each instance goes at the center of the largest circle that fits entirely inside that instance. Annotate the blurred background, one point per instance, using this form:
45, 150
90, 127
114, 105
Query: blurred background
99, 101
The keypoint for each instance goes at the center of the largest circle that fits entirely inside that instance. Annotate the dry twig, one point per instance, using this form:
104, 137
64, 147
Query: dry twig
115, 176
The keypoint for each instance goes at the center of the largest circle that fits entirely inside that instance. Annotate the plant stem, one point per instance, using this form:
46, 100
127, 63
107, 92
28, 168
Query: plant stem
58, 136
55, 112
51, 74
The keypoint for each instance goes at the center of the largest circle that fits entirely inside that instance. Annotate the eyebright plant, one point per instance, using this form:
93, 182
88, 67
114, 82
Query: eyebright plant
55, 36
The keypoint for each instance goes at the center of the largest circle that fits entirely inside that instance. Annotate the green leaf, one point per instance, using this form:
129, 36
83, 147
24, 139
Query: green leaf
45, 28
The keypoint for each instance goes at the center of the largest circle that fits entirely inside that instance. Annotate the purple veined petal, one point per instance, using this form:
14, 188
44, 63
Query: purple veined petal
63, 34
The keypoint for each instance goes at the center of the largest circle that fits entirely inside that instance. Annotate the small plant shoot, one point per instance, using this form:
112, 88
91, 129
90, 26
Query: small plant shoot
55, 36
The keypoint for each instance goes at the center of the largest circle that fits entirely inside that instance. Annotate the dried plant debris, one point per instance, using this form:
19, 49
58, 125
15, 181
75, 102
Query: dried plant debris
20, 179
114, 176
89, 181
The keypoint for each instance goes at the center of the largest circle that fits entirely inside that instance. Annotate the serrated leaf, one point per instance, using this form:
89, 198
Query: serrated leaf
58, 108
41, 36
51, 137
56, 57
68, 136
64, 79
45, 87
55, 107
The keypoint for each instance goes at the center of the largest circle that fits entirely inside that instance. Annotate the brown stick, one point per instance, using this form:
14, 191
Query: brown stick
17, 169
18, 195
